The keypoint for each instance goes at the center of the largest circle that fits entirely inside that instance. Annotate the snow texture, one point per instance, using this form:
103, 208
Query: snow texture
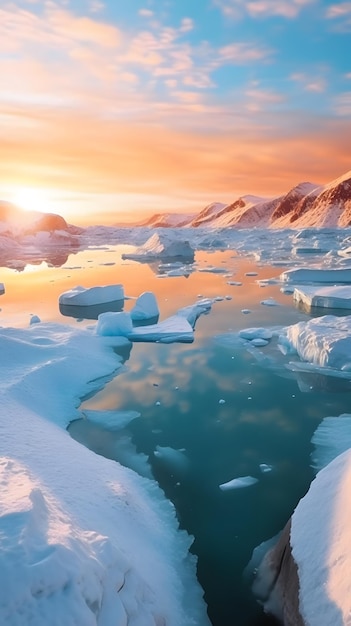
83, 540
320, 540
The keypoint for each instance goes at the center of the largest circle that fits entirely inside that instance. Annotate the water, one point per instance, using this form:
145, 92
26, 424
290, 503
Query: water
177, 389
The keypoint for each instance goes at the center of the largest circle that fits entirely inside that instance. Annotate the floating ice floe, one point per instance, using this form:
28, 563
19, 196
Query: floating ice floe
238, 483
256, 333
270, 302
246, 311
334, 297
164, 245
145, 308
323, 341
177, 328
309, 275
265, 468
174, 459
213, 270
90, 296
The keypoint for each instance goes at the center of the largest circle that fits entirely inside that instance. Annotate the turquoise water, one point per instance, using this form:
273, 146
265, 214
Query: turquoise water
264, 418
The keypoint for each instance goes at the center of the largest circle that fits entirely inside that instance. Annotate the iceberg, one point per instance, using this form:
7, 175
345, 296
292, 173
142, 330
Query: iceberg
334, 297
163, 245
317, 275
324, 341
145, 308
90, 296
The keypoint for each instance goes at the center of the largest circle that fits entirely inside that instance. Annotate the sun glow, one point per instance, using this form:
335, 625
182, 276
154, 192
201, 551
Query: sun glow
32, 199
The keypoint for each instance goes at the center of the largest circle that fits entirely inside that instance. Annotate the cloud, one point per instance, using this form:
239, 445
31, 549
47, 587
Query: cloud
288, 9
343, 9
145, 12
342, 104
313, 84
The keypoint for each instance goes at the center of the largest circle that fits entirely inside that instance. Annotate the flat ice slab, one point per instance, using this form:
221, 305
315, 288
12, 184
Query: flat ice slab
88, 296
335, 297
308, 275
173, 329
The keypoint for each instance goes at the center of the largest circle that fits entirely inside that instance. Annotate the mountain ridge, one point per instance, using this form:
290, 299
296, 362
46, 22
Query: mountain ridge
304, 205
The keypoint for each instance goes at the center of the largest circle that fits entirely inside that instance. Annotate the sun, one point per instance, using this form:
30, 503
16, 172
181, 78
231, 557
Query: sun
32, 199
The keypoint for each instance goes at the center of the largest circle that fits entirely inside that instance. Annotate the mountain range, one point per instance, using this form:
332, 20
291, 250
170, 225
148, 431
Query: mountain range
305, 205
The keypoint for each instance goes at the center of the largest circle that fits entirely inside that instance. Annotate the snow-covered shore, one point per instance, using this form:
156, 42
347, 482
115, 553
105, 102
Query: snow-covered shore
82, 538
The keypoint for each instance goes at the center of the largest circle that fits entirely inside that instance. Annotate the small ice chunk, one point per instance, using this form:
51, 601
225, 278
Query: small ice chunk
265, 467
228, 298
270, 302
234, 283
171, 458
246, 311
259, 342
251, 273
221, 401
238, 483
145, 308
2, 289
35, 319
110, 324
255, 333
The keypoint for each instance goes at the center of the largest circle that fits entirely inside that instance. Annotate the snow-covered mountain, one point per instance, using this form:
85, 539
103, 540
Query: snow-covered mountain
305, 205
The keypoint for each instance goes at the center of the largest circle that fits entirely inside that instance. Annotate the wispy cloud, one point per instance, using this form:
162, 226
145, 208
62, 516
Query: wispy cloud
340, 16
342, 104
288, 9
311, 83
343, 9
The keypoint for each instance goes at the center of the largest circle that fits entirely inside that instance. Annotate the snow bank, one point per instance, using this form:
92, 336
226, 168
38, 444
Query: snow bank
320, 540
82, 538
326, 297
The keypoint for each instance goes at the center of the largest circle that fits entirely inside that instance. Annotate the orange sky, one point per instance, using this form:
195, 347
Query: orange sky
78, 123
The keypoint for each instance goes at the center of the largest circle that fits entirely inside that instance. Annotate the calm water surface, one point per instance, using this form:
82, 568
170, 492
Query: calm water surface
177, 388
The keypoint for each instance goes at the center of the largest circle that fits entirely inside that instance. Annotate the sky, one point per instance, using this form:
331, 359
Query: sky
113, 110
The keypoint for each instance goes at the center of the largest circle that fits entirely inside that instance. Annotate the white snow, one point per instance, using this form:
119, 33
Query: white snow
335, 297
320, 539
324, 341
145, 308
83, 540
90, 296
238, 483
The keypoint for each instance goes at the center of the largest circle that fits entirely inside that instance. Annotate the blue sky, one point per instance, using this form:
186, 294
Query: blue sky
170, 104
